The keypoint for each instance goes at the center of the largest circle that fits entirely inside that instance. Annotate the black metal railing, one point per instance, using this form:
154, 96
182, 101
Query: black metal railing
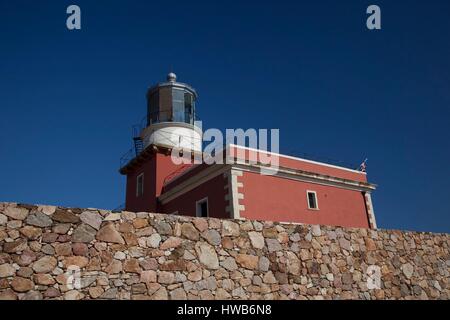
169, 116
152, 118
126, 157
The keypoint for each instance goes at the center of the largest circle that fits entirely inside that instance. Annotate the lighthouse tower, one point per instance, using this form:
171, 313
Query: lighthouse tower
171, 116
170, 125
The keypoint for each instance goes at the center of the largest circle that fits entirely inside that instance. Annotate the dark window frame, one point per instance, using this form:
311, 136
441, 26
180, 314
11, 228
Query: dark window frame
140, 185
312, 201
199, 208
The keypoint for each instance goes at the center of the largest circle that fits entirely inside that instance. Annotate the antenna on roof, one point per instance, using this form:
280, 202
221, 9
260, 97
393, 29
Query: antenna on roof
363, 166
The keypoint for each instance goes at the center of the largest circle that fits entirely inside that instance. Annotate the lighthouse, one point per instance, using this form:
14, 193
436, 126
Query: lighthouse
171, 116
170, 124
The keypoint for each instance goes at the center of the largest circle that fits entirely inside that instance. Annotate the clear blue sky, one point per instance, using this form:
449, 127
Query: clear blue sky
311, 68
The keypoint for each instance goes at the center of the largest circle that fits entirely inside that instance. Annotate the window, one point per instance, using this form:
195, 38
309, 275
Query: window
165, 105
202, 208
188, 108
178, 105
140, 185
153, 108
312, 200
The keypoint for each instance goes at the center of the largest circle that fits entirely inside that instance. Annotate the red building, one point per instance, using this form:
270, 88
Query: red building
299, 190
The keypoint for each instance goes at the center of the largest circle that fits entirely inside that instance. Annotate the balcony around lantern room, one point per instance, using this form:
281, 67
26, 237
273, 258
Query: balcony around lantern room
154, 118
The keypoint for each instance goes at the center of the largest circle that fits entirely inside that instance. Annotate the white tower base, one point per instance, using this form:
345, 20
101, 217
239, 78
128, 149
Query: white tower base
173, 135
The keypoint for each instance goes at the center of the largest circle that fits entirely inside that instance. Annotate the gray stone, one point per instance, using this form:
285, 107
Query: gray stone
269, 278
128, 215
160, 294
48, 210
437, 285
84, 233
163, 228
109, 294
212, 236
207, 255
87, 281
345, 244
112, 217
229, 263
6, 270
230, 228
211, 283
178, 294
238, 293
221, 294
264, 264
14, 224
165, 277
293, 263
154, 240
91, 218
315, 230
32, 295
258, 225
139, 288
39, 219
331, 235
417, 290
73, 295
256, 239
404, 290
408, 270
119, 255
45, 264
16, 213
48, 249
61, 228
295, 237
273, 245
3, 219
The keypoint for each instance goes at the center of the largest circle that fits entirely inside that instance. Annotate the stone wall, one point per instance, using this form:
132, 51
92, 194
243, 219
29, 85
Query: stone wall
48, 252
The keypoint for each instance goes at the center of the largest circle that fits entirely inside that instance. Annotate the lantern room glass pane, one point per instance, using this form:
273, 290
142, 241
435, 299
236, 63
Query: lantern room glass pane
153, 108
165, 105
189, 108
178, 105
